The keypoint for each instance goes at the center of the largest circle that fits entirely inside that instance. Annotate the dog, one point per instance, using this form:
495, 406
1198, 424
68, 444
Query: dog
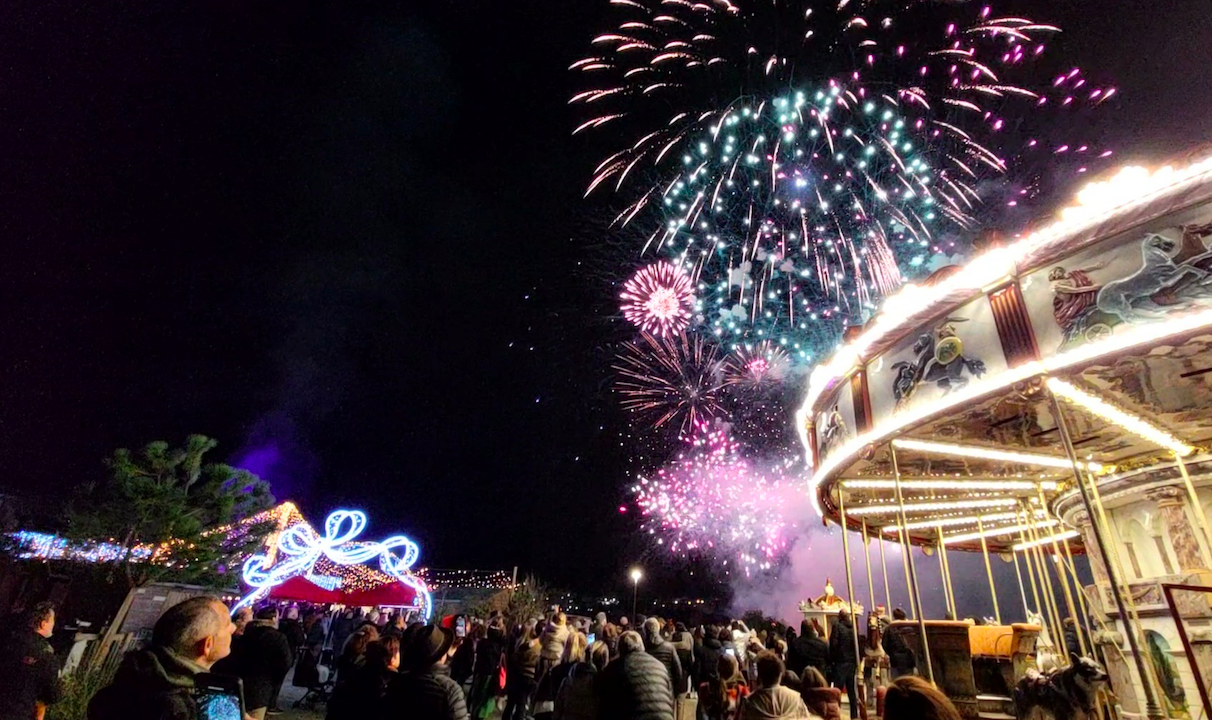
1061, 694
1128, 297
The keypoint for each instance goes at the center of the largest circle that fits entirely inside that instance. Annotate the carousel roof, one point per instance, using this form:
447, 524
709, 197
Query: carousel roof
1109, 311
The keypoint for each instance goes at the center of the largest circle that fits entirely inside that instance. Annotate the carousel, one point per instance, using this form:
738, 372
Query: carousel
1050, 399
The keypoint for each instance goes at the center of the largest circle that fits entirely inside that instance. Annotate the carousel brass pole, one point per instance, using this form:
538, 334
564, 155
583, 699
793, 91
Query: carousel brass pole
1197, 509
980, 528
914, 593
867, 558
1083, 631
884, 567
858, 651
1048, 593
1018, 575
1039, 610
945, 568
1064, 582
903, 536
1099, 528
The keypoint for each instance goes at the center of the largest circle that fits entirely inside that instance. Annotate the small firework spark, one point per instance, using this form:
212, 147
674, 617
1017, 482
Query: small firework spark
670, 380
659, 299
757, 365
712, 501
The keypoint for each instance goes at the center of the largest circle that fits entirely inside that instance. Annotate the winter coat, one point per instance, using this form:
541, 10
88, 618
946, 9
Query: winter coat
262, 660
663, 650
425, 695
153, 684
733, 695
841, 645
519, 672
360, 695
901, 657
683, 642
635, 687
488, 652
825, 702
707, 659
814, 651
552, 642
774, 703
463, 662
293, 630
575, 698
29, 674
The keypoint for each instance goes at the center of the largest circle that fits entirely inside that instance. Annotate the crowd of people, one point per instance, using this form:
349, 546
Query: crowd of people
548, 668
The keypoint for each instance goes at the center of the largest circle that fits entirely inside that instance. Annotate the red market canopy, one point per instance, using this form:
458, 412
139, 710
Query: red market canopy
299, 588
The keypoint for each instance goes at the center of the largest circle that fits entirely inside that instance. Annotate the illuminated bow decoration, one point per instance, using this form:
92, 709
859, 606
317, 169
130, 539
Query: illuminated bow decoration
300, 547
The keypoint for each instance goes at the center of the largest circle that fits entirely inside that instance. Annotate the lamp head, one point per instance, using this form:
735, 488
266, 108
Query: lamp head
636, 574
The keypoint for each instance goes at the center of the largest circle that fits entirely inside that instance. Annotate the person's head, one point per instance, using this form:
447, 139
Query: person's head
398, 621
780, 648
725, 635
600, 617
652, 628
899, 614
812, 678
630, 642
242, 618
292, 613
574, 647
560, 619
727, 667
41, 619
198, 629
770, 669
355, 644
610, 630
268, 614
599, 654
912, 698
384, 653
431, 645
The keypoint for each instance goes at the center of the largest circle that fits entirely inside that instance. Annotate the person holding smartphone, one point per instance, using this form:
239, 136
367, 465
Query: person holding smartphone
159, 681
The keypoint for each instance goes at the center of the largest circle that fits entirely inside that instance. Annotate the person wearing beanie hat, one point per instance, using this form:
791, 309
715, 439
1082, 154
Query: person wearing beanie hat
424, 689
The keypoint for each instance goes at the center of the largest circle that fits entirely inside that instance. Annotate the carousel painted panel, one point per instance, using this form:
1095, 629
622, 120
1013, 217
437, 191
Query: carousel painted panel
940, 358
1147, 275
835, 424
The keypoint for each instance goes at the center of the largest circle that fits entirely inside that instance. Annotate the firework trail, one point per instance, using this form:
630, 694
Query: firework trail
670, 380
711, 501
798, 158
659, 299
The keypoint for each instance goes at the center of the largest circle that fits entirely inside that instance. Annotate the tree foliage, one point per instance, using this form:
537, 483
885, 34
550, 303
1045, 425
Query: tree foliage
527, 600
171, 500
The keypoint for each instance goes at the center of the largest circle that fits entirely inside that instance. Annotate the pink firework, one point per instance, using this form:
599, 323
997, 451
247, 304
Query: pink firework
761, 364
659, 299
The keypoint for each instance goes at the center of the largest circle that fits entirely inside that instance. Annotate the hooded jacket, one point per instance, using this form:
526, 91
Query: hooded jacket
552, 642
683, 643
707, 659
825, 702
153, 684
841, 644
635, 687
773, 704
575, 698
809, 650
663, 650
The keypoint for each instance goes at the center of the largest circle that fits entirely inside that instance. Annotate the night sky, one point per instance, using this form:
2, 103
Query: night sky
349, 243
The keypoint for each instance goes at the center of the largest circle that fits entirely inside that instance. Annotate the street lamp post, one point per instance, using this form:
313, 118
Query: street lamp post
636, 574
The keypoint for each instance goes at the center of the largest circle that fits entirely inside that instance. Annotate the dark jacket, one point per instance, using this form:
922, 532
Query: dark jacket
261, 659
488, 652
360, 695
635, 687
841, 645
29, 674
901, 657
293, 630
522, 661
425, 695
707, 659
683, 642
152, 684
813, 651
663, 650
825, 702
575, 697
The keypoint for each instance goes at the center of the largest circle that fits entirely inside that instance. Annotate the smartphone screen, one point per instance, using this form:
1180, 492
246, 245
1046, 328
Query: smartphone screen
592, 638
730, 651
461, 627
219, 697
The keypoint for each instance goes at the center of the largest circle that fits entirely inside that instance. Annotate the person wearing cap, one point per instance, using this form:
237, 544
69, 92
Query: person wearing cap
424, 689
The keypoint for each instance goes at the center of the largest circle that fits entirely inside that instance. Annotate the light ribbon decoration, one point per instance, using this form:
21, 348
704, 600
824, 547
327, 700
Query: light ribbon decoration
300, 547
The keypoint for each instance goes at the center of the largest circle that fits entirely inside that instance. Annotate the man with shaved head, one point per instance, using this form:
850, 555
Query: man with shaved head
157, 682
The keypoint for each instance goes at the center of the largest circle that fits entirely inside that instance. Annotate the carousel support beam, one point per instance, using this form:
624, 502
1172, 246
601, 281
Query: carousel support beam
1098, 523
867, 558
1081, 597
945, 569
914, 593
1018, 575
884, 567
1197, 509
997, 613
1049, 593
854, 620
1057, 562
1039, 610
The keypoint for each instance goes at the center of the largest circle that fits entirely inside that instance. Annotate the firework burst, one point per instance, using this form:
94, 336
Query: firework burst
798, 158
670, 380
659, 299
712, 501
757, 366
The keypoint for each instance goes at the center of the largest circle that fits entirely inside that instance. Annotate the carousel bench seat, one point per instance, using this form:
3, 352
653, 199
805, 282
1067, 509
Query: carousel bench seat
973, 659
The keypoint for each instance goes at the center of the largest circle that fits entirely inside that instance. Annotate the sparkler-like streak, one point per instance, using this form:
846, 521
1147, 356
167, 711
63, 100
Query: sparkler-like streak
670, 380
